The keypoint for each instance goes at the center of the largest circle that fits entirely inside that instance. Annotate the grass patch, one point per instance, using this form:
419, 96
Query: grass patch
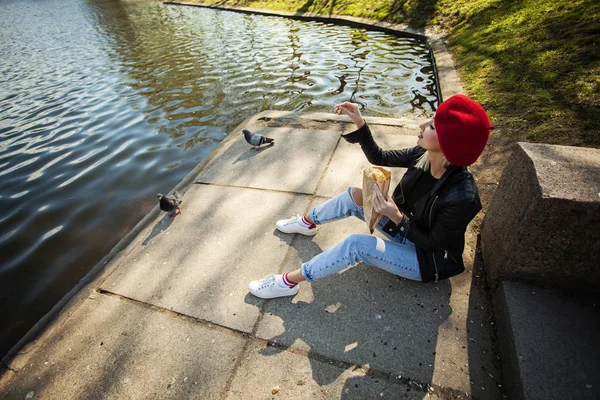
533, 64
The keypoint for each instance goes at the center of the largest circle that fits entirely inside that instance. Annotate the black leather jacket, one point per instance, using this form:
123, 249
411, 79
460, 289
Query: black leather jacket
437, 226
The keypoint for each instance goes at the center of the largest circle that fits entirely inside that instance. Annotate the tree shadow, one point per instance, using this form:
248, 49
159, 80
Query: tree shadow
417, 14
339, 321
540, 61
316, 9
362, 316
306, 6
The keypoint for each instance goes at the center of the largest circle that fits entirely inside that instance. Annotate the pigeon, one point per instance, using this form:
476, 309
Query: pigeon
256, 139
170, 204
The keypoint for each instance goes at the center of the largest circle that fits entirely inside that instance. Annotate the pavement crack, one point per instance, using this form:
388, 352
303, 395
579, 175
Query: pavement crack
327, 164
252, 338
252, 188
176, 314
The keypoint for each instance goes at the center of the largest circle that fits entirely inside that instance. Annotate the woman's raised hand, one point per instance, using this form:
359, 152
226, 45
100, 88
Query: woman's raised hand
352, 111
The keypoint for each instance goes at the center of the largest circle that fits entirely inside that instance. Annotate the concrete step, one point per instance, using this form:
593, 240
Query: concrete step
549, 343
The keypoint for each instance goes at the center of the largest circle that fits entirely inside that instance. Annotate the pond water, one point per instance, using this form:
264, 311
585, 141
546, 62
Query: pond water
104, 103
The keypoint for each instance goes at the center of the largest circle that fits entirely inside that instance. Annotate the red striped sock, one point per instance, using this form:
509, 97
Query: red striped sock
307, 223
287, 281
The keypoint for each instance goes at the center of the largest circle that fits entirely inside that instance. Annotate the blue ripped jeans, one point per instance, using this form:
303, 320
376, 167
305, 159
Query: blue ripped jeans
396, 255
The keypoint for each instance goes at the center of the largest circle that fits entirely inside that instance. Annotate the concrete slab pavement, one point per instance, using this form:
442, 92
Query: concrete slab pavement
297, 376
349, 161
115, 349
191, 274
201, 264
293, 164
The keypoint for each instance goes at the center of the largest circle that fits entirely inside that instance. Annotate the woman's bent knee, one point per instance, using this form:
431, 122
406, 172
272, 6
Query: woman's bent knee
357, 195
358, 241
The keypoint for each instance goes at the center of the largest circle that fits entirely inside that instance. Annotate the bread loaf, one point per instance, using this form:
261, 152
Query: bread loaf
376, 175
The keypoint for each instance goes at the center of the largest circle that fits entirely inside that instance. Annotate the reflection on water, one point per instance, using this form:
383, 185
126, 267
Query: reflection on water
103, 103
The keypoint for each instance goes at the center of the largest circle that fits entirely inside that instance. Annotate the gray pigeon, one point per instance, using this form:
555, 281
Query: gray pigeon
170, 204
256, 139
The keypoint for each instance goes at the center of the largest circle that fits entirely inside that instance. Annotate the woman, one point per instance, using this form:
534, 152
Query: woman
426, 217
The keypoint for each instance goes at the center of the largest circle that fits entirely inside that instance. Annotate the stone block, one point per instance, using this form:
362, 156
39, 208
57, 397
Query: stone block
543, 224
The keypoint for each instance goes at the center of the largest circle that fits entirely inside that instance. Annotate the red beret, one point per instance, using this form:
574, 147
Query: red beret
463, 128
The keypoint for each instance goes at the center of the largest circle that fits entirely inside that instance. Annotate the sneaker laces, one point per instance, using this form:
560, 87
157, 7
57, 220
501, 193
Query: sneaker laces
267, 281
293, 220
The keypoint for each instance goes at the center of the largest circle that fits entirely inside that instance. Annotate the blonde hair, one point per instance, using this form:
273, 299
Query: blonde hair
424, 163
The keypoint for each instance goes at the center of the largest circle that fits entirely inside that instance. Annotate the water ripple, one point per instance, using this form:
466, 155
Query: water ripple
105, 103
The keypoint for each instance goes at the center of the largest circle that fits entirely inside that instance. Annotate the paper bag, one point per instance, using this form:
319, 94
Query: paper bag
382, 177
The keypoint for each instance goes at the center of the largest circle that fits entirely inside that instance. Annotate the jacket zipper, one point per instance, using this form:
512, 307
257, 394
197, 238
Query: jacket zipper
402, 192
433, 254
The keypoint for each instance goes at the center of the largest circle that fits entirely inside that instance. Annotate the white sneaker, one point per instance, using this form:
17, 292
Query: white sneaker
292, 225
267, 288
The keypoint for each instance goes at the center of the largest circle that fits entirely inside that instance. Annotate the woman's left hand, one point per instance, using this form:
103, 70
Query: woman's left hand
385, 207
